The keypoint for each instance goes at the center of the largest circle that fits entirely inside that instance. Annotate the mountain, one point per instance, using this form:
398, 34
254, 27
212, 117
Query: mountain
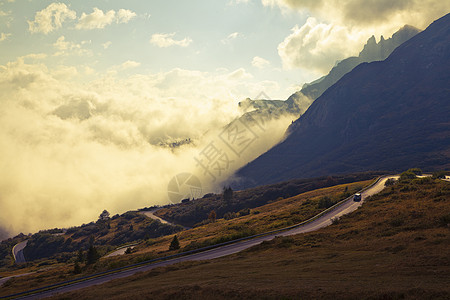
384, 115
372, 51
298, 102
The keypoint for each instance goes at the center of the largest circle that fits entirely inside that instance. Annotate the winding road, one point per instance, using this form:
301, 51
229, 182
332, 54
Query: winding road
151, 215
322, 220
17, 250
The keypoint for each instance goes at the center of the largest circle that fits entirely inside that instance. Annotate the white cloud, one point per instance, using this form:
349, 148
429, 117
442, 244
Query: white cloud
260, 62
317, 46
107, 44
4, 36
34, 56
233, 2
125, 15
99, 19
362, 13
64, 47
231, 37
51, 18
163, 40
129, 64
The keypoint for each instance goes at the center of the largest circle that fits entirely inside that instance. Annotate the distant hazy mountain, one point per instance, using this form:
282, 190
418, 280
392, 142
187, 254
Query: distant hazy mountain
384, 115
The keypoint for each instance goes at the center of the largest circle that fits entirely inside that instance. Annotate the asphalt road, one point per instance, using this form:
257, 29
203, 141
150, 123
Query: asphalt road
18, 252
322, 221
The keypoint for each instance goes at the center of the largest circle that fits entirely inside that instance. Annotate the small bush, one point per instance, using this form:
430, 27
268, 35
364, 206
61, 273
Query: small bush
76, 268
244, 212
439, 175
229, 215
398, 221
390, 182
444, 220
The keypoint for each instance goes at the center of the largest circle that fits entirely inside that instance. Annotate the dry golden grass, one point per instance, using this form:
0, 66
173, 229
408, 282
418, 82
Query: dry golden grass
268, 217
395, 247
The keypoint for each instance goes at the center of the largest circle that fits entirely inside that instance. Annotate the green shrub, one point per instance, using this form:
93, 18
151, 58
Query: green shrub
439, 175
416, 171
398, 221
244, 212
407, 175
444, 220
325, 202
229, 215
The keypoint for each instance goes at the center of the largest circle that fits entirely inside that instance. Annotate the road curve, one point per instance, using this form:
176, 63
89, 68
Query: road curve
324, 220
151, 215
18, 252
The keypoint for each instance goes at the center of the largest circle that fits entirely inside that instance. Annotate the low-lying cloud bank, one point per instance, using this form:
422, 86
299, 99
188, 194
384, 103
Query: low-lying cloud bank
69, 150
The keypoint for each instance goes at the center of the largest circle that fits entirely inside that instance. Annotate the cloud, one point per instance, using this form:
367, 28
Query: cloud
233, 2
231, 37
4, 36
338, 29
317, 46
51, 18
129, 64
107, 44
368, 13
125, 15
68, 150
64, 47
164, 40
260, 62
34, 56
99, 19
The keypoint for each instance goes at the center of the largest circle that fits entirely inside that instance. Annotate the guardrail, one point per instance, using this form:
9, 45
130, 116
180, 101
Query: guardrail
186, 253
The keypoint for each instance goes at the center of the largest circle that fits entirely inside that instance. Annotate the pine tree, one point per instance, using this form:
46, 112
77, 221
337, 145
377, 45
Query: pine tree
175, 244
227, 195
92, 255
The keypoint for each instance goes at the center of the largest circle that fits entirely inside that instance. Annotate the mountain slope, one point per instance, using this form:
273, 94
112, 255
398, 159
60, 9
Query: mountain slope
386, 115
372, 51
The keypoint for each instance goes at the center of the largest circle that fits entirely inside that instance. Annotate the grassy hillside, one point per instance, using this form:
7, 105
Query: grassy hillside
394, 247
278, 214
196, 212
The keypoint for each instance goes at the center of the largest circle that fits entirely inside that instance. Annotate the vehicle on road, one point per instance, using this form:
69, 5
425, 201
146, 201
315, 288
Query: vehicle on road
357, 197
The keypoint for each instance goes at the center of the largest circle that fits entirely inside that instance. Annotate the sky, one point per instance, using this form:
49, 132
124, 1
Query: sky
90, 89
